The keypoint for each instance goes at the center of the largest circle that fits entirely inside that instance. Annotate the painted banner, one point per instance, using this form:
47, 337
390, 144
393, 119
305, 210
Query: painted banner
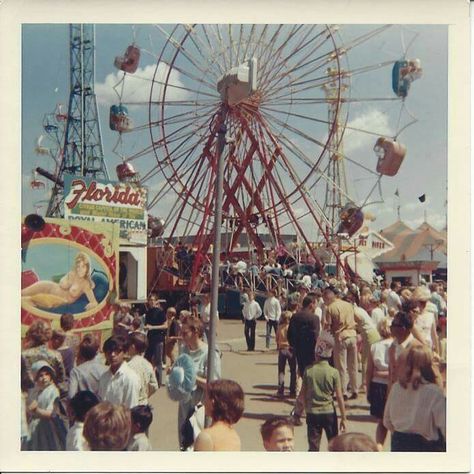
94, 200
70, 267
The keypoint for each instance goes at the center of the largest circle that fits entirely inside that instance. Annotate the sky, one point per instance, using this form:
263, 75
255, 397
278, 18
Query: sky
45, 76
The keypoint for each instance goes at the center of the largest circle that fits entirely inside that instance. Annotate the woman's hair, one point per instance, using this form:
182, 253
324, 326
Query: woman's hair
84, 258
383, 327
417, 367
194, 324
352, 442
67, 322
39, 333
82, 402
227, 399
142, 416
285, 317
138, 340
273, 423
107, 427
88, 347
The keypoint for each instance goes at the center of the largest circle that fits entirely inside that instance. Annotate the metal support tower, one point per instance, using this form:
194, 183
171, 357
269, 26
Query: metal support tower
82, 152
336, 187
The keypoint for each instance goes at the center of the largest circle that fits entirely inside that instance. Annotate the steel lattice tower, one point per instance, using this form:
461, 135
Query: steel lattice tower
82, 152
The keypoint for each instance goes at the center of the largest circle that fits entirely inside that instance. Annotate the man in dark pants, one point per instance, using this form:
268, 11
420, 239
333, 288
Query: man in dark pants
156, 325
303, 332
251, 312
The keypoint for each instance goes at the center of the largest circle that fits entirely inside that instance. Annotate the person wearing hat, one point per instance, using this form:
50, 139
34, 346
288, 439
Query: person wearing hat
320, 383
46, 432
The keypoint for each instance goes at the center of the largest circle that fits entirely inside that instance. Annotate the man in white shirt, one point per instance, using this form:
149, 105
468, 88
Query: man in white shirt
120, 384
251, 312
205, 314
393, 299
272, 313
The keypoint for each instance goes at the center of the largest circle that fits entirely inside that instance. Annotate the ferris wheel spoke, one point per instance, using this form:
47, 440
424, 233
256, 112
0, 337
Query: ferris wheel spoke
274, 55
316, 67
214, 68
363, 38
181, 49
249, 41
212, 50
316, 64
277, 76
294, 130
191, 76
195, 40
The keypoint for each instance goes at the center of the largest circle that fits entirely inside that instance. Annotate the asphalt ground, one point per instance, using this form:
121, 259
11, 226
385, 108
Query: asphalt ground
257, 373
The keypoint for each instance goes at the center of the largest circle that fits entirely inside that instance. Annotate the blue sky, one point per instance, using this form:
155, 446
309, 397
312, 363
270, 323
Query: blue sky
45, 62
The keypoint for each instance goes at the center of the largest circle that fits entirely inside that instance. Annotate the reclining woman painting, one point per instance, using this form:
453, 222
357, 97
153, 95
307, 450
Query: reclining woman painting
70, 288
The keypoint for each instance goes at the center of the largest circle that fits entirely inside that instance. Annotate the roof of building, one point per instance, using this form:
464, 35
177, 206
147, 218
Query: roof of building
424, 243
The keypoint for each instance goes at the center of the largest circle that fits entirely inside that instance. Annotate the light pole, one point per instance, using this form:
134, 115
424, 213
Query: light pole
235, 86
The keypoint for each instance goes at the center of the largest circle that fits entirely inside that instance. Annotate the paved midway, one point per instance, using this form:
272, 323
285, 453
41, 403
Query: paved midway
257, 374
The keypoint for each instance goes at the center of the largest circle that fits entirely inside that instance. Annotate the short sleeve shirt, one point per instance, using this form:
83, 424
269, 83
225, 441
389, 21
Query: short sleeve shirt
321, 381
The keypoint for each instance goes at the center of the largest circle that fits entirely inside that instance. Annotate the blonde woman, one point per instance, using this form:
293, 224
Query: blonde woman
71, 287
415, 411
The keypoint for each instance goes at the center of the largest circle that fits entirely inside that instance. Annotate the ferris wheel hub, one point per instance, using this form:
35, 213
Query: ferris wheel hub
239, 83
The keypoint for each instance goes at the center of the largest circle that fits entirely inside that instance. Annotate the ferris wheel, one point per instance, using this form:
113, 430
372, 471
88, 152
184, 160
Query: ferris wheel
285, 94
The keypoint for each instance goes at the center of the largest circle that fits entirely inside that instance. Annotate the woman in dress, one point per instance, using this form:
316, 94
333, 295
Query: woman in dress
49, 294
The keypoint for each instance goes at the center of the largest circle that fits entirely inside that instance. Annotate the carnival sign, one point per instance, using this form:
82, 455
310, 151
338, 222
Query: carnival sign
95, 200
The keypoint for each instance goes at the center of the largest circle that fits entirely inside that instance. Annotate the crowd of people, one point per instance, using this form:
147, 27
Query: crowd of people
78, 394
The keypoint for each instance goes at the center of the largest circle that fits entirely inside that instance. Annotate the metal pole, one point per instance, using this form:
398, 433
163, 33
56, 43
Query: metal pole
221, 142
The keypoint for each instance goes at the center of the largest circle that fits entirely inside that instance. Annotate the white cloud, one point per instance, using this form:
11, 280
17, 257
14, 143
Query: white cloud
136, 87
373, 121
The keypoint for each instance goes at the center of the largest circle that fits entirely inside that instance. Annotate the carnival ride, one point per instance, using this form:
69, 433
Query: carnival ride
284, 93
287, 95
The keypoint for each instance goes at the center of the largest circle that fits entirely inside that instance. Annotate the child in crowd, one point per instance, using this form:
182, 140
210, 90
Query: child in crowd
172, 334
352, 442
120, 384
224, 403
137, 344
79, 405
285, 355
141, 420
278, 434
46, 432
320, 382
107, 427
